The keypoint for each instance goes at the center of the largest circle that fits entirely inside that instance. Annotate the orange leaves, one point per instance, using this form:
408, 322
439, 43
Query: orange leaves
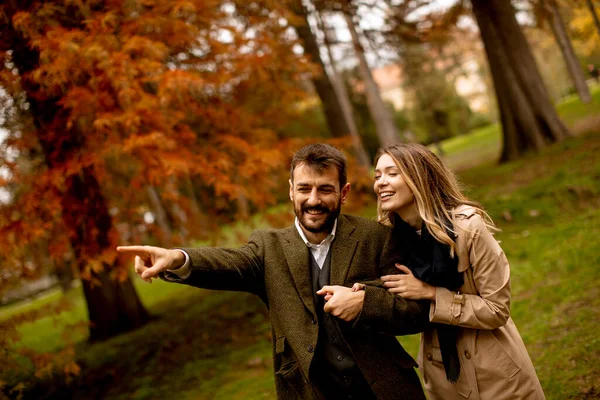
183, 95
22, 21
142, 47
183, 10
153, 140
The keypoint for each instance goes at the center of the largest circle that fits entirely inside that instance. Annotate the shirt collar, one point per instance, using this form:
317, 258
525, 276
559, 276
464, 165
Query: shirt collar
327, 240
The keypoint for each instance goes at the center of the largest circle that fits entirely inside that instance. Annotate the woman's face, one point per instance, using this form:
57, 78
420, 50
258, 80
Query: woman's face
390, 187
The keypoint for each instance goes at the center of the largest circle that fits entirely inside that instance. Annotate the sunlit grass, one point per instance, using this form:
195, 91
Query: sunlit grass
482, 146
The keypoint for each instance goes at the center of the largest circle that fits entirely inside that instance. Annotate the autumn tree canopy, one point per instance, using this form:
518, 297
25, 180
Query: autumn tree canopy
120, 99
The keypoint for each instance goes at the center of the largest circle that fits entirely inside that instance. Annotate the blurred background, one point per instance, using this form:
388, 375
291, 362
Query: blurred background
174, 122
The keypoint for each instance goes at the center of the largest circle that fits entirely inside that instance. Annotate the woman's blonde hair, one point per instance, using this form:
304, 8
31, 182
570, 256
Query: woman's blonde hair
436, 190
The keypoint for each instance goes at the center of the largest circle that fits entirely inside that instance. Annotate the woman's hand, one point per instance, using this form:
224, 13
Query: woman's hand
407, 286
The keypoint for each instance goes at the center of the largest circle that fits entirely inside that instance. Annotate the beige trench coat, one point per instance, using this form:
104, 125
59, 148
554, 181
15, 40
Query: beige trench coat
494, 362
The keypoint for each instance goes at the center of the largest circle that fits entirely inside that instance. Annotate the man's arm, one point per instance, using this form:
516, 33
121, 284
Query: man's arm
386, 312
210, 267
376, 309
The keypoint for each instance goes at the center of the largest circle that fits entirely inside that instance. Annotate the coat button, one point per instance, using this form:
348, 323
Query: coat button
340, 358
467, 354
310, 348
429, 357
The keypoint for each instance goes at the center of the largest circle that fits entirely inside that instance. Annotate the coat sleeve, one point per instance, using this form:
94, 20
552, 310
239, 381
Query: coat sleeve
384, 311
218, 268
387, 313
490, 307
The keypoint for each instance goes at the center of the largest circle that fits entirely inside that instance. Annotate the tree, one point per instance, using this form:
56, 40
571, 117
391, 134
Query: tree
343, 96
113, 305
564, 42
129, 95
338, 125
592, 9
384, 123
529, 120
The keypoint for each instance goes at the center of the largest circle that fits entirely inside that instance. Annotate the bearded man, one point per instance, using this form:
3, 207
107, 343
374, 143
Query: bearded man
340, 348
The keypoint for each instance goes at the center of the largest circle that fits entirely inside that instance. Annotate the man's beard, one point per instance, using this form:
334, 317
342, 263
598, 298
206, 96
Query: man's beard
325, 226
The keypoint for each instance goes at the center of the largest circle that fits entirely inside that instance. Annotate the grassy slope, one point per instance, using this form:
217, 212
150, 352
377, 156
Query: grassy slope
216, 345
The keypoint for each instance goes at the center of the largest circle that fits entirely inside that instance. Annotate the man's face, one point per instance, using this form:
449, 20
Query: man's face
317, 199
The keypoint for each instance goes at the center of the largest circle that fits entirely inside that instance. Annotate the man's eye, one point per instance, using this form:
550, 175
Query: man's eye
326, 191
304, 190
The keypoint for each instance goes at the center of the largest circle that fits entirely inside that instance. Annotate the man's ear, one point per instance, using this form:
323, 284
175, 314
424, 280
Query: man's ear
291, 189
345, 192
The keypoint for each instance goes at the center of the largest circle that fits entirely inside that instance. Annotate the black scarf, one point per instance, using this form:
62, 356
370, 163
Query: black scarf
430, 262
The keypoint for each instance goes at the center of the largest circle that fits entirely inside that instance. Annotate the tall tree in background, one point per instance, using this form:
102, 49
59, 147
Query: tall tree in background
386, 129
529, 119
555, 20
334, 114
342, 92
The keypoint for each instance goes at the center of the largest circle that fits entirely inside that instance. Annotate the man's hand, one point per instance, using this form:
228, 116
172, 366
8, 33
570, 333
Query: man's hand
408, 286
342, 302
150, 260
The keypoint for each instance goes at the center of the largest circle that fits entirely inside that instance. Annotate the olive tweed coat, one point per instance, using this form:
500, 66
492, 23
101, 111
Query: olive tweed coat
274, 265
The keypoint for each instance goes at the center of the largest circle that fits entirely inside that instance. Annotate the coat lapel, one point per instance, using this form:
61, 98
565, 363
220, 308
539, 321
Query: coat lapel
342, 248
296, 255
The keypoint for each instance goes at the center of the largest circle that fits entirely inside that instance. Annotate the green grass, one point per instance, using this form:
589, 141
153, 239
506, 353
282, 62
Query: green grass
216, 345
482, 146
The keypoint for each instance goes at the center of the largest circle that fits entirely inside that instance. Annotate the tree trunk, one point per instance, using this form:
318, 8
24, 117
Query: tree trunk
529, 120
113, 306
331, 105
384, 123
162, 219
342, 93
590, 5
564, 42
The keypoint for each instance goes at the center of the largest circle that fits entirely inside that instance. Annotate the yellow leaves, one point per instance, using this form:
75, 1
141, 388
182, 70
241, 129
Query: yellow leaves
583, 23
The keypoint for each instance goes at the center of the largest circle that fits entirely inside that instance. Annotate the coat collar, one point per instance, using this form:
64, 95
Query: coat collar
297, 257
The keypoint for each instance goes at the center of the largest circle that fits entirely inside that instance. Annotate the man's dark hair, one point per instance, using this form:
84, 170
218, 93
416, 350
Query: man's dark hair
320, 156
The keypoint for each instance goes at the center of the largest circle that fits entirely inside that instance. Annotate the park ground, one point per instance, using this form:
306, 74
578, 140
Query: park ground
216, 345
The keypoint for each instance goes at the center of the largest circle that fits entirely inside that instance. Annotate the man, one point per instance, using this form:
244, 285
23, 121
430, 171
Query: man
326, 350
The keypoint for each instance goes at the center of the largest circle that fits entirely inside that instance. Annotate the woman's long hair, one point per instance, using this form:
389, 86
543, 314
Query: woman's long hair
435, 188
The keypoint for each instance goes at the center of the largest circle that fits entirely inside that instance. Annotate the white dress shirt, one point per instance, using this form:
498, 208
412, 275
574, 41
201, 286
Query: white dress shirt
319, 251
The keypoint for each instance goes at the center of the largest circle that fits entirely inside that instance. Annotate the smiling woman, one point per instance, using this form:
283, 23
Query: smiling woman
451, 260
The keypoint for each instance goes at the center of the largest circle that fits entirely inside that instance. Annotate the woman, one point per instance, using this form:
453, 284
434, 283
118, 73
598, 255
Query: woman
474, 350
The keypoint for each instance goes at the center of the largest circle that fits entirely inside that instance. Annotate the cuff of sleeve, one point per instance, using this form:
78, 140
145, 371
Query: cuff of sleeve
441, 310
182, 272
374, 305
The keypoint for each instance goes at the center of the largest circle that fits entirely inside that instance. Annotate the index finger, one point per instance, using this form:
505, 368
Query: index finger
326, 289
135, 250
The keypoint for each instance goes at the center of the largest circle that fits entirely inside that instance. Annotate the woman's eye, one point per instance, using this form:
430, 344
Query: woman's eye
377, 177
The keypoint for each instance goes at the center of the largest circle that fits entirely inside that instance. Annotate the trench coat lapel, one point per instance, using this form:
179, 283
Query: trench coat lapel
296, 254
342, 251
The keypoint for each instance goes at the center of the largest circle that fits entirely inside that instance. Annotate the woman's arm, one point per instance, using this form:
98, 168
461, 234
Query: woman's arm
490, 308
